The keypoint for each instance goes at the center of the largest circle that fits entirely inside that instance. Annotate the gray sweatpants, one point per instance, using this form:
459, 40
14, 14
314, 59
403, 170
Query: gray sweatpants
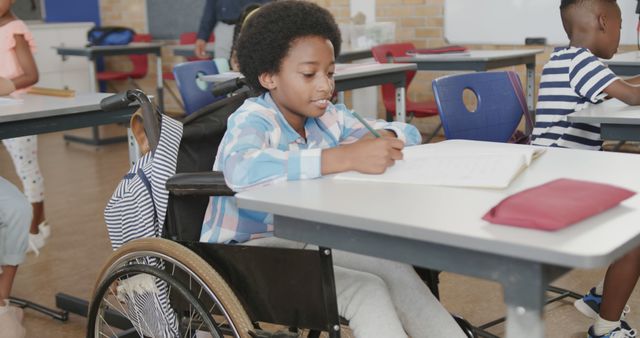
224, 40
381, 298
15, 218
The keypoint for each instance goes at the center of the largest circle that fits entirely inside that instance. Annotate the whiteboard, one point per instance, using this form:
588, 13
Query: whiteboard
511, 21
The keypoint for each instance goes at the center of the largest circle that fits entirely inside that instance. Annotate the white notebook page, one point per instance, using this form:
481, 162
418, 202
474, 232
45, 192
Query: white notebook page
460, 168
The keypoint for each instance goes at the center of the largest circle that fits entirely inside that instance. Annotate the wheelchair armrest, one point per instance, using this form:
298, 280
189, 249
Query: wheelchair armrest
210, 183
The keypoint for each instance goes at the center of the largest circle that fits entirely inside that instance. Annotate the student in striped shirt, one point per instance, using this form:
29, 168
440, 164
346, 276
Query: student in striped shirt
573, 79
293, 132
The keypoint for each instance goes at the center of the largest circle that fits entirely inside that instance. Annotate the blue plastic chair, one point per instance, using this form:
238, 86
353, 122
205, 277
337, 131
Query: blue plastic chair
499, 105
195, 93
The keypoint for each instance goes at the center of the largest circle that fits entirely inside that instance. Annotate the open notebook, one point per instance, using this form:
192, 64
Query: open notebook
475, 167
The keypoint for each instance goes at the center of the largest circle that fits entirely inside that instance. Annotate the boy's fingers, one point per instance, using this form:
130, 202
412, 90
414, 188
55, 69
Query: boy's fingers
395, 143
396, 154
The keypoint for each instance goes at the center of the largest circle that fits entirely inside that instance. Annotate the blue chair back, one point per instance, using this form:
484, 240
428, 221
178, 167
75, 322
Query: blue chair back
498, 111
195, 92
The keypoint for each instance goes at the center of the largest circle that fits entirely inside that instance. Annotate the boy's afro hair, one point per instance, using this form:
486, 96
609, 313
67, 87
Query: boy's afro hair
566, 3
266, 38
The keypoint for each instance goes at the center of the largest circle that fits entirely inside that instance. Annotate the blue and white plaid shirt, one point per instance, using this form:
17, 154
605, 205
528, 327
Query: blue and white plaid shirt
260, 148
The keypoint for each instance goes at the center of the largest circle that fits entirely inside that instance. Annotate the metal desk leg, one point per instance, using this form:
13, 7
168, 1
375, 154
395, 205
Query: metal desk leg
401, 111
524, 294
531, 79
92, 76
524, 297
341, 97
160, 85
95, 139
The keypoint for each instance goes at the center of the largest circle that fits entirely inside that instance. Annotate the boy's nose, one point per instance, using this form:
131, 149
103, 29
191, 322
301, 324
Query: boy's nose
325, 84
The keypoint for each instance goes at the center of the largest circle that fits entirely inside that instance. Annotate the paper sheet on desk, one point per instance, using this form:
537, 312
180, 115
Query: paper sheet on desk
7, 100
490, 169
439, 55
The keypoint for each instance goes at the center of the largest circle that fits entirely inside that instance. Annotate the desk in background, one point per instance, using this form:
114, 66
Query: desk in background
447, 232
482, 60
349, 54
94, 52
618, 121
38, 114
625, 64
189, 50
353, 76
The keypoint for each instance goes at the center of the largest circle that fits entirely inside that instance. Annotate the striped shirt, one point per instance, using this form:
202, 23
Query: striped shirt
573, 79
261, 148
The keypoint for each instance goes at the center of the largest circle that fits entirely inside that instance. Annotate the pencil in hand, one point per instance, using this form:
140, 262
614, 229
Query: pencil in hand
367, 125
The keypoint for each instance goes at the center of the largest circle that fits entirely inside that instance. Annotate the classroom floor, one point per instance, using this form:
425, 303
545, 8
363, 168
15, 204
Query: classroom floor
79, 180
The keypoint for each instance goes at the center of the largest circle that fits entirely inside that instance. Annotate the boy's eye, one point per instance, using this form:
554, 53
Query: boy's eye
307, 74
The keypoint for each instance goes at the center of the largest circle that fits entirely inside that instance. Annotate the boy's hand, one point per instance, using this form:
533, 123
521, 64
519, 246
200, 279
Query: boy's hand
367, 155
382, 132
374, 156
200, 47
6, 86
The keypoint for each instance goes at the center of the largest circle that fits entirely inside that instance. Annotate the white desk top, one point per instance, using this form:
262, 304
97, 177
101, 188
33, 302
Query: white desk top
36, 106
624, 59
472, 55
452, 216
611, 111
351, 70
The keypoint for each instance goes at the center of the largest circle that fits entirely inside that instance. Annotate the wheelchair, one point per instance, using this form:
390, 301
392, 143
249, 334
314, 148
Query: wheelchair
206, 289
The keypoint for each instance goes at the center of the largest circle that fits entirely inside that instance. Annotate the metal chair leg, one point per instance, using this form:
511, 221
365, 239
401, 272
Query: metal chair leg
174, 95
433, 134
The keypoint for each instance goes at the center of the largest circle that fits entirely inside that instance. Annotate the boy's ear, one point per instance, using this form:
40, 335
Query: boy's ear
137, 128
267, 81
602, 22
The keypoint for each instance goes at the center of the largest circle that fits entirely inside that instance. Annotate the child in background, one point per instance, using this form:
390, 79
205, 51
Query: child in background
293, 132
15, 215
17, 73
573, 79
247, 11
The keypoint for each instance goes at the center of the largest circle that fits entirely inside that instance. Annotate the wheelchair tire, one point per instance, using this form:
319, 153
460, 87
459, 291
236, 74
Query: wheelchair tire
205, 287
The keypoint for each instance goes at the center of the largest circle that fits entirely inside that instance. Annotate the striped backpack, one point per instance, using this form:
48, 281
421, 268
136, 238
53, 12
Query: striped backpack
137, 209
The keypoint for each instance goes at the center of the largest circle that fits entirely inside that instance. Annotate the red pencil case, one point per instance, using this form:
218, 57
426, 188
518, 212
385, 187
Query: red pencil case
439, 50
556, 204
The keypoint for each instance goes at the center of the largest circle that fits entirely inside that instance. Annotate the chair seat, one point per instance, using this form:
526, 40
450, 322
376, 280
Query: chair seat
418, 108
422, 108
110, 76
168, 76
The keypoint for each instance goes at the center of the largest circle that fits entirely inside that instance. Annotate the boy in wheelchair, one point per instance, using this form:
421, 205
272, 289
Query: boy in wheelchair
292, 131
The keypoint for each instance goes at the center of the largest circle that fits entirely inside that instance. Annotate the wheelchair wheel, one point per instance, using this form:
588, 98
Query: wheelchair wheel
154, 287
